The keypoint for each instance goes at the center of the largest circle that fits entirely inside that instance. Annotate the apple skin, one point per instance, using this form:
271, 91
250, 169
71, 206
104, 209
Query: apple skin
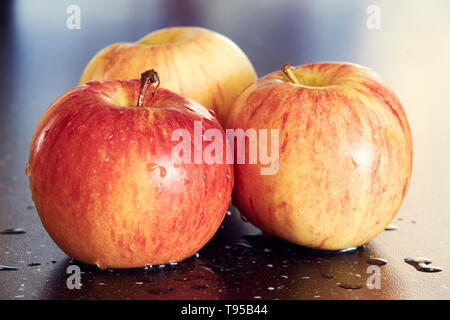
104, 184
345, 155
198, 63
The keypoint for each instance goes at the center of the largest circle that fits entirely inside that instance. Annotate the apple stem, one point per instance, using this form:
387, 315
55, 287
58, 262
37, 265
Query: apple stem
287, 70
148, 77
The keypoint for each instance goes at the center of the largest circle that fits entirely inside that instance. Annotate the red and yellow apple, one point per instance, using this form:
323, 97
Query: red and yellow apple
106, 186
198, 63
345, 155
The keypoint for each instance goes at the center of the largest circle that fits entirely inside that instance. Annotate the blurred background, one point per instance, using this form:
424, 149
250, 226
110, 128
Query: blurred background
408, 44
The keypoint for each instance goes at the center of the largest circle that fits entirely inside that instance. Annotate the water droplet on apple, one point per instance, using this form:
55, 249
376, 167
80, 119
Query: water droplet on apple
190, 109
379, 166
162, 170
102, 266
28, 170
354, 163
159, 188
355, 175
220, 195
106, 159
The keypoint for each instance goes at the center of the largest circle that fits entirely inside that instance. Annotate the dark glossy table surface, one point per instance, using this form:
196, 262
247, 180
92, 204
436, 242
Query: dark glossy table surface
41, 59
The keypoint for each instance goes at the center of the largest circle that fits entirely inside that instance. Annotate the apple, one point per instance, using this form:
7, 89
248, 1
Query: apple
345, 155
198, 63
104, 181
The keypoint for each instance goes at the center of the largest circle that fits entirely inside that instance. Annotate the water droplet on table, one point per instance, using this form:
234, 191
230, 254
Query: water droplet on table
13, 231
160, 291
199, 287
217, 268
34, 264
243, 244
348, 250
422, 264
391, 227
349, 286
377, 261
7, 268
